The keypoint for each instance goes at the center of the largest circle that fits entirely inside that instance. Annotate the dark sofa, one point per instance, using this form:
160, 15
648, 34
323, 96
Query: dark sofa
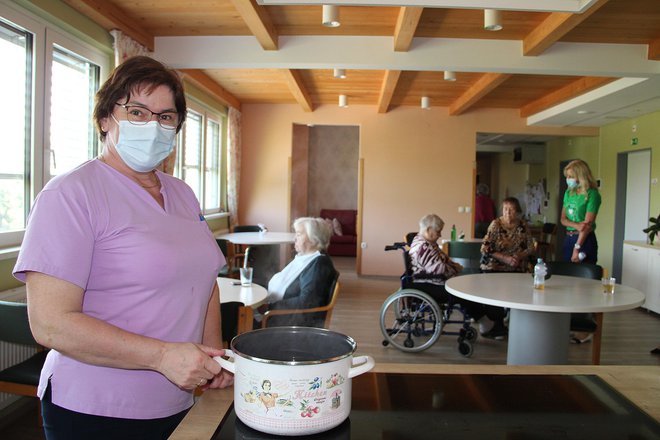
345, 244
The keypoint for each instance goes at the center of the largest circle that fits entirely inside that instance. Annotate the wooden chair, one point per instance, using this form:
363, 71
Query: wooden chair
327, 309
23, 378
581, 323
238, 255
545, 245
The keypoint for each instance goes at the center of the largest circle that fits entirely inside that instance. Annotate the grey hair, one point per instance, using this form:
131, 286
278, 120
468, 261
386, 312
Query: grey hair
318, 231
431, 221
482, 188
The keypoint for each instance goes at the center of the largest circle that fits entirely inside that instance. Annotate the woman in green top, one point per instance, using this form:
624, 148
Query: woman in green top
578, 214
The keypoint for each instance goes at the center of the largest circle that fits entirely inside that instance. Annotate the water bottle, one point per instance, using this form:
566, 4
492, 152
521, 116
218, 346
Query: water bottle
453, 232
540, 271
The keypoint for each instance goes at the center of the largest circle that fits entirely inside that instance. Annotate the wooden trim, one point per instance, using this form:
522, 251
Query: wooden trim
110, 17
387, 89
654, 50
484, 85
201, 79
406, 25
257, 19
358, 220
576, 88
297, 87
553, 28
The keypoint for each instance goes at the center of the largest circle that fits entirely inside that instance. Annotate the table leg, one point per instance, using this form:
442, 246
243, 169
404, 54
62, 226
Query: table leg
538, 338
245, 318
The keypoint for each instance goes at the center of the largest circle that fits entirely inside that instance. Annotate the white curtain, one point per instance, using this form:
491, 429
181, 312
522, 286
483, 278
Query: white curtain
234, 164
126, 47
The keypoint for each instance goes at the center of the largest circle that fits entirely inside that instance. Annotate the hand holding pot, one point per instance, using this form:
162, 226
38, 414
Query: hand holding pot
189, 365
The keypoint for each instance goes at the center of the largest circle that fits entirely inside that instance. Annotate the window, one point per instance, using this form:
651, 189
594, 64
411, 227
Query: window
200, 157
47, 128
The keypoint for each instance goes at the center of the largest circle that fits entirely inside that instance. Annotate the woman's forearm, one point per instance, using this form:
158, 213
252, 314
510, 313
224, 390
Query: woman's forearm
212, 329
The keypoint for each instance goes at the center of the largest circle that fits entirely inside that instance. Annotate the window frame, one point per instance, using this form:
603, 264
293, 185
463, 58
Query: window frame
219, 118
45, 36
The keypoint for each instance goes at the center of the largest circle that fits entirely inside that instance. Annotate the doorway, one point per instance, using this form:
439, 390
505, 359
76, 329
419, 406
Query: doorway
631, 215
325, 171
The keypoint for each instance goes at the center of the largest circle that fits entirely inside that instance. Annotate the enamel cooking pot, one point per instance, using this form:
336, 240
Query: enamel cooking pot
293, 380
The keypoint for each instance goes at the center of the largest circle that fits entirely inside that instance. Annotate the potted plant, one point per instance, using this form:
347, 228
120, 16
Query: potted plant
653, 229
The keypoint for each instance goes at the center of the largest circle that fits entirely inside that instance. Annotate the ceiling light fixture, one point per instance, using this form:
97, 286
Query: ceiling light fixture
343, 101
426, 103
492, 20
450, 75
330, 16
340, 73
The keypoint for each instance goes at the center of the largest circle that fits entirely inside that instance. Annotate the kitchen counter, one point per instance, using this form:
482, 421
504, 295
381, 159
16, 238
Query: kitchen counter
640, 384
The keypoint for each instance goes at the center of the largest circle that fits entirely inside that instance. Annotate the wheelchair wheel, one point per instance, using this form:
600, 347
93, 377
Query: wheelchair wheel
410, 320
471, 334
465, 348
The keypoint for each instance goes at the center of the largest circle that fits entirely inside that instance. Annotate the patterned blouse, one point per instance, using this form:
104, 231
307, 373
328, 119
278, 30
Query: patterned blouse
508, 241
429, 263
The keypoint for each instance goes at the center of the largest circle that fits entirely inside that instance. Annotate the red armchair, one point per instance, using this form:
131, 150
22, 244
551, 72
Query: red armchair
346, 243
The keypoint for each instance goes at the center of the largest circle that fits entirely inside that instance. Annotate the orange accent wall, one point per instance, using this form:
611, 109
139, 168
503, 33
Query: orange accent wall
415, 162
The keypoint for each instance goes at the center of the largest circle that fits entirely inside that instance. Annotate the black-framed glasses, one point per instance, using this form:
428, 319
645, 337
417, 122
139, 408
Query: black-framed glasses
138, 115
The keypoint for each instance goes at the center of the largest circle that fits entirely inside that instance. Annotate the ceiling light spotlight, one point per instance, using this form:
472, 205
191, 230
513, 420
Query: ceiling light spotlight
450, 75
340, 73
492, 20
426, 103
343, 101
330, 16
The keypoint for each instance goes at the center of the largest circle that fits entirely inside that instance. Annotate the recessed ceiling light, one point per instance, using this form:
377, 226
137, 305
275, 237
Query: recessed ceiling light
584, 112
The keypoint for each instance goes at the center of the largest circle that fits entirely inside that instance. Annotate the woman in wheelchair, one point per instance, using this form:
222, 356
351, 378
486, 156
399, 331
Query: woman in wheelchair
307, 281
431, 268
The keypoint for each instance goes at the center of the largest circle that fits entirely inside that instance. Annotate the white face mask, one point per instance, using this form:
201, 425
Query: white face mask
143, 147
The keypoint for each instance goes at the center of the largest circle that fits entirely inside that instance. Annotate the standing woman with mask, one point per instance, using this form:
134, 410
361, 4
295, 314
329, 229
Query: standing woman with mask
579, 211
120, 269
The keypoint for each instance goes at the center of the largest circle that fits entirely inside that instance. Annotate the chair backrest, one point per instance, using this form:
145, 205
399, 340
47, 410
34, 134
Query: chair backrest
582, 270
409, 237
467, 254
247, 228
14, 324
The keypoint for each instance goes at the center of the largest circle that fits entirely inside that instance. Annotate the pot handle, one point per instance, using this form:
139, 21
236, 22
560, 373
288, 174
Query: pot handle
367, 363
225, 363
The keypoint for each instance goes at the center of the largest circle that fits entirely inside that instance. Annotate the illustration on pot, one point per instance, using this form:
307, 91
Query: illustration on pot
265, 397
334, 380
307, 410
336, 399
315, 384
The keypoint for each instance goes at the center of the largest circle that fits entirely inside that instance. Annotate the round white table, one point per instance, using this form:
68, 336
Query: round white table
539, 324
252, 296
268, 259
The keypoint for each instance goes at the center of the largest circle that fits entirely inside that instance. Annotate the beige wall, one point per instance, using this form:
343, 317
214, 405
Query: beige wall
415, 162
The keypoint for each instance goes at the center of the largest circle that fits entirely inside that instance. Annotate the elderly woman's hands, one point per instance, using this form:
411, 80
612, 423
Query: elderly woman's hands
189, 366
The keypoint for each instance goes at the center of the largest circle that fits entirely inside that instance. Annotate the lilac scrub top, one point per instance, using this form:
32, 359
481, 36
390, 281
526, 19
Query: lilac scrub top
145, 269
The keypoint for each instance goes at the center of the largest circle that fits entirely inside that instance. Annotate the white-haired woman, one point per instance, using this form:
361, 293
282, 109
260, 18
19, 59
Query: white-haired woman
306, 281
432, 268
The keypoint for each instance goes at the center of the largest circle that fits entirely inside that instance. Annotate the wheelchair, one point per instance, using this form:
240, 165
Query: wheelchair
412, 321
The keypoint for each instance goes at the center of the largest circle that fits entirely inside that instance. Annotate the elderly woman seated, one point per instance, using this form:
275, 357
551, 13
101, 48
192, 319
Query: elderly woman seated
432, 267
307, 281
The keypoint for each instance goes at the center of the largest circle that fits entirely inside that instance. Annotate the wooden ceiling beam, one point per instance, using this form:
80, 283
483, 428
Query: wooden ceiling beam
387, 89
576, 88
406, 25
654, 50
554, 27
297, 87
484, 85
110, 17
202, 80
257, 19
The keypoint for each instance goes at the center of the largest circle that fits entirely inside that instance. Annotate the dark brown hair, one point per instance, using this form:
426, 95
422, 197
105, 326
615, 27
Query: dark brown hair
513, 201
136, 74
